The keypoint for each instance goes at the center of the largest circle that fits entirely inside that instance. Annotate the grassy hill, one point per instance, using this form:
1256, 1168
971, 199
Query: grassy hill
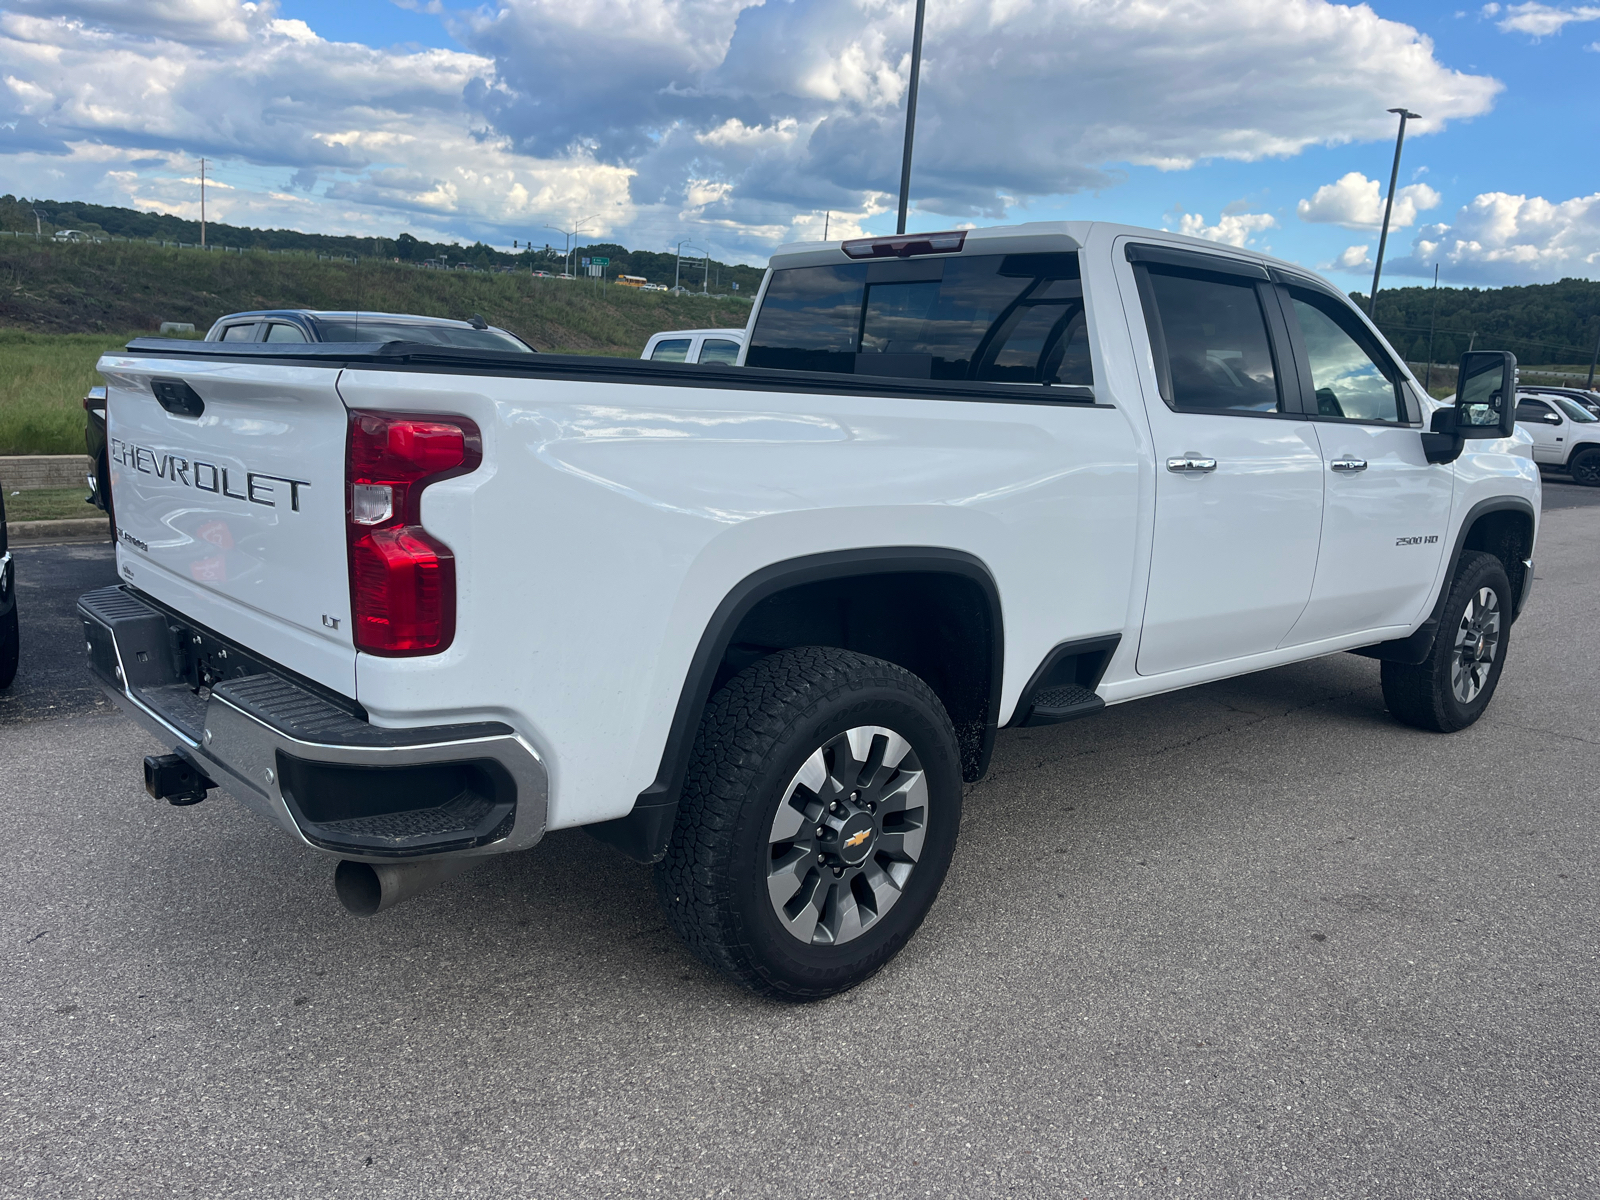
63, 305
117, 286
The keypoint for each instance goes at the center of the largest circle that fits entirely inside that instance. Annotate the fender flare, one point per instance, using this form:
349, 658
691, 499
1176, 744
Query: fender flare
1416, 648
643, 833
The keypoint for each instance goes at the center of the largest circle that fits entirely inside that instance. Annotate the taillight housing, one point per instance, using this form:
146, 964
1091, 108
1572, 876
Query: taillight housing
906, 244
402, 579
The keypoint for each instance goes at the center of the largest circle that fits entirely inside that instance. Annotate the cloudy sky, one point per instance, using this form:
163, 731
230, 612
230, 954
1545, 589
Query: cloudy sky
741, 123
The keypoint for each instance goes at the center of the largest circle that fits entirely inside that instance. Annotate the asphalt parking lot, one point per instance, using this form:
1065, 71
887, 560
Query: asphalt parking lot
1252, 939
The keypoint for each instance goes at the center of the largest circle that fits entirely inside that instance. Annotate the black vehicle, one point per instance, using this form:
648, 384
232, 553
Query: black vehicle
1589, 400
285, 325
10, 639
307, 325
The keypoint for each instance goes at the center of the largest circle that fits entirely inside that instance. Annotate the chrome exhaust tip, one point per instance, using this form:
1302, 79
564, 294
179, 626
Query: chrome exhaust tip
366, 889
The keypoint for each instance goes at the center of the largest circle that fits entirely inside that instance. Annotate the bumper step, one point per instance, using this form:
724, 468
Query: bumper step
339, 782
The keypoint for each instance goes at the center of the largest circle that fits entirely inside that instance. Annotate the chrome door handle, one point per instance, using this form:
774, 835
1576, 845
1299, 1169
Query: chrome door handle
1191, 464
1349, 465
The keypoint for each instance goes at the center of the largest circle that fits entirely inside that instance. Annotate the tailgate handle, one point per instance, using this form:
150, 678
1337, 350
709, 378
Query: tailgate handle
177, 397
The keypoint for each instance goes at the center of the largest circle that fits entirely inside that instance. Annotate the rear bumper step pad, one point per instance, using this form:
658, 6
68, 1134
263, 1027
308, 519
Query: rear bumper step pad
337, 782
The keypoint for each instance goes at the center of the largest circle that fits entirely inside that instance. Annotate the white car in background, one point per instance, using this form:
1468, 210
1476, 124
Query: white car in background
1566, 435
695, 346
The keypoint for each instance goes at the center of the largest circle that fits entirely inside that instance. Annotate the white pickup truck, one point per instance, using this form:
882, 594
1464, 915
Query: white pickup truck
756, 624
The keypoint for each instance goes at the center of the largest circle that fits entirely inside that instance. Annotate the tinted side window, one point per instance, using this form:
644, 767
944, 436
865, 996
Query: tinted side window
675, 350
284, 333
1532, 410
239, 333
719, 350
1351, 378
1004, 318
1218, 355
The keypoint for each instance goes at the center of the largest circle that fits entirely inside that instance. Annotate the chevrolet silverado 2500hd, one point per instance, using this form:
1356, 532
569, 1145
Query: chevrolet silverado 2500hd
418, 605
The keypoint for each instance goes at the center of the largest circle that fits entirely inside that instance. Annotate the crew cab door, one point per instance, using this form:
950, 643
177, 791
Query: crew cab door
1386, 509
1239, 473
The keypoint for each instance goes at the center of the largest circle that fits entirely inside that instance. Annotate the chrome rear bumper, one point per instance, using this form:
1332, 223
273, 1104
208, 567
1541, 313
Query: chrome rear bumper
314, 766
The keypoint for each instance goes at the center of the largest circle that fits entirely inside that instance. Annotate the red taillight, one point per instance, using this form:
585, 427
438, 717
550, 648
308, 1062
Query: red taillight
905, 245
402, 581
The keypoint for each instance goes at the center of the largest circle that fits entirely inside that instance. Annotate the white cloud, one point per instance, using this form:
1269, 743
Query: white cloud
741, 119
1351, 258
1233, 229
1541, 20
1500, 238
1354, 202
1020, 98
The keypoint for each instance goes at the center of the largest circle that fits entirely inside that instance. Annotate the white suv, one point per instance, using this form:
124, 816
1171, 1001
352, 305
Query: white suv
1566, 435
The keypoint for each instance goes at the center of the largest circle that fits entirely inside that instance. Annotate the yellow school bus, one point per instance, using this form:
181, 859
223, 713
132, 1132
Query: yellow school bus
631, 280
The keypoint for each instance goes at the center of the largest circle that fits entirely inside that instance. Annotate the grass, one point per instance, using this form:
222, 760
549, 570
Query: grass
60, 306
120, 285
49, 504
43, 379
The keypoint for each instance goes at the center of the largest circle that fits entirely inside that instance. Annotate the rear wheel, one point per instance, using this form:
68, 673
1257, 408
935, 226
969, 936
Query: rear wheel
1585, 467
817, 822
1452, 687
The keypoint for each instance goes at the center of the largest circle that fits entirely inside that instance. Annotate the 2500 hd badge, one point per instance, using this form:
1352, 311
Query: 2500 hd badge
204, 476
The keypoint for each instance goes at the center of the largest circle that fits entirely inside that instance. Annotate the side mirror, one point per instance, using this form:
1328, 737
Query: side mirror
1486, 394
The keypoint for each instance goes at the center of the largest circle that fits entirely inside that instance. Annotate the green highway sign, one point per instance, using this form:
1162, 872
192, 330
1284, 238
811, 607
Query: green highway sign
599, 262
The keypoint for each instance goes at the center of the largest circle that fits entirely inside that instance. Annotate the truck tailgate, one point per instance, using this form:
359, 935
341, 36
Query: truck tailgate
228, 481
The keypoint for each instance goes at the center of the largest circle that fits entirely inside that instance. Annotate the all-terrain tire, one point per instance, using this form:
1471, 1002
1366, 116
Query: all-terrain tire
1430, 695
789, 711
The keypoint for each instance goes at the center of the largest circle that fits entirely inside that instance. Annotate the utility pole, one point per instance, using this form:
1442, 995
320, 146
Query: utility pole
1427, 376
911, 115
1388, 207
202, 204
826, 218
1592, 361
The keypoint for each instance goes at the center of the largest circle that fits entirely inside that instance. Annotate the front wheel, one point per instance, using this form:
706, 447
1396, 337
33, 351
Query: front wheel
1451, 688
817, 821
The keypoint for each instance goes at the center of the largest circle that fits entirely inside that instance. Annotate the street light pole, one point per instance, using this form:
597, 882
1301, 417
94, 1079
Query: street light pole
571, 236
1427, 376
911, 116
1388, 207
1592, 361
677, 271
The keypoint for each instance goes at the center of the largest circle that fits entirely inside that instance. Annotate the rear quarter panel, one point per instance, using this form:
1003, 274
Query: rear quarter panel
608, 521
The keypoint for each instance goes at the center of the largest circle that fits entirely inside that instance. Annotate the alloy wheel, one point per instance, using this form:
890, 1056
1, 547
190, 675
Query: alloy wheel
847, 835
1477, 640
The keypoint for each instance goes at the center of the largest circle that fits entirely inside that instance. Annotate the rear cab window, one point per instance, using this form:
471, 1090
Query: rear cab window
719, 350
243, 331
1012, 318
279, 331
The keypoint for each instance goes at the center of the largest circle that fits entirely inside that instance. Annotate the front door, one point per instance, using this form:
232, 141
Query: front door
1387, 509
1546, 427
1238, 471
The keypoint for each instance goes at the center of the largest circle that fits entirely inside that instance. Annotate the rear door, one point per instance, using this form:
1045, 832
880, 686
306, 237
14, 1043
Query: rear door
1387, 509
1238, 468
228, 479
